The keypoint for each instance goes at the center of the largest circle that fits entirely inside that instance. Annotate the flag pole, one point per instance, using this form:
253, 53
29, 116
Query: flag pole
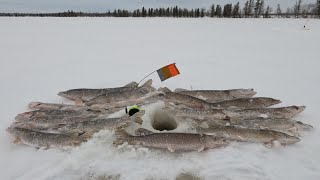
146, 77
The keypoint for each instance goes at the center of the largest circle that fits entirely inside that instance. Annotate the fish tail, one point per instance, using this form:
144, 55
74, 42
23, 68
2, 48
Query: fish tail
132, 84
177, 90
165, 90
139, 114
121, 136
147, 84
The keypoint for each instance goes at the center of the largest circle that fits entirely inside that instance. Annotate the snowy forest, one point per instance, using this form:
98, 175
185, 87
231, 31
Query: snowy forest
251, 8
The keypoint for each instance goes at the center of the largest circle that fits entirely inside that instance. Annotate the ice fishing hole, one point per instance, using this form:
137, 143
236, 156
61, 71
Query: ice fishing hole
163, 121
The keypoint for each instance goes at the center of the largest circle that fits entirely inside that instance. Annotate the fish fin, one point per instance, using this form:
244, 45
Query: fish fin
122, 126
139, 114
177, 90
273, 144
147, 83
138, 120
46, 147
171, 149
201, 148
79, 102
87, 135
74, 143
121, 136
132, 84
143, 132
294, 131
165, 90
17, 141
263, 127
169, 105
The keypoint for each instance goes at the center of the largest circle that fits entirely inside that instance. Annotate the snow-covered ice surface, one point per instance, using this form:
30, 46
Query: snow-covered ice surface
42, 56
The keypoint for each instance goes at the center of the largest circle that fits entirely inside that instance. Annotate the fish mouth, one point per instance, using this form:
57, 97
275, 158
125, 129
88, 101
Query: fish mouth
304, 126
276, 101
63, 94
300, 108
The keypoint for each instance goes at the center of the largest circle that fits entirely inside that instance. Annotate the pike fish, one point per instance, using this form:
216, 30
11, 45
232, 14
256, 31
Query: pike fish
214, 96
197, 113
276, 113
246, 103
46, 140
235, 104
101, 124
65, 107
84, 95
249, 135
53, 113
171, 141
124, 98
48, 122
282, 125
182, 99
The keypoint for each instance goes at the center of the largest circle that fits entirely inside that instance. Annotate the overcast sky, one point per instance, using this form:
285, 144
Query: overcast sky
105, 5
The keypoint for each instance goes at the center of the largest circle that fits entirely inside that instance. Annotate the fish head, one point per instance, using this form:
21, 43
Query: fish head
300, 125
270, 101
34, 105
243, 93
21, 125
214, 142
70, 94
296, 109
287, 139
15, 131
23, 116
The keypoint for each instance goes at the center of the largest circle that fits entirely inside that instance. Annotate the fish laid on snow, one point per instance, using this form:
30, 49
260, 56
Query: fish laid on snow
277, 113
84, 95
249, 135
52, 106
197, 113
214, 96
171, 141
240, 103
283, 125
246, 103
54, 113
48, 122
46, 140
182, 99
65, 107
124, 98
101, 124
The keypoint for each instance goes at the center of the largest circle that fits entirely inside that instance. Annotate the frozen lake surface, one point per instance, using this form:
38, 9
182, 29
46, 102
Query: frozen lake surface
41, 56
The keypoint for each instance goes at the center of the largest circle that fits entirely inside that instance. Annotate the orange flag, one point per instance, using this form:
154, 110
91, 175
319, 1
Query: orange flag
168, 72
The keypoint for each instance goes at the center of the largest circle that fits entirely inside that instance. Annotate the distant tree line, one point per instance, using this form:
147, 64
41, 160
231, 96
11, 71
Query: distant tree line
252, 8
